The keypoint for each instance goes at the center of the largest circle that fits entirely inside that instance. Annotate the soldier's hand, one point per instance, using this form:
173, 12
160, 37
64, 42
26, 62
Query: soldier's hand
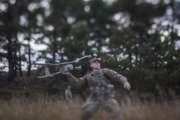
127, 86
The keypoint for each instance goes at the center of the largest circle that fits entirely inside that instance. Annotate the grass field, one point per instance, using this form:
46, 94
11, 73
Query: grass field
42, 109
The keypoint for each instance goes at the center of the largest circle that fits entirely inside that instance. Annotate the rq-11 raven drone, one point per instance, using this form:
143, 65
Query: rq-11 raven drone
63, 67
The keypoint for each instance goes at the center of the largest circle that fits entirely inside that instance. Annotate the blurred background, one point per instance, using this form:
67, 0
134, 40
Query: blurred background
137, 38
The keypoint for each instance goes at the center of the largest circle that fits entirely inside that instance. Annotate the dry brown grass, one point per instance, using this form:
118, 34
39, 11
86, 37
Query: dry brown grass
151, 110
42, 109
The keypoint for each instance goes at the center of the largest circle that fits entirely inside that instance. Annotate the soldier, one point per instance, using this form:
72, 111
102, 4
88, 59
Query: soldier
68, 94
102, 94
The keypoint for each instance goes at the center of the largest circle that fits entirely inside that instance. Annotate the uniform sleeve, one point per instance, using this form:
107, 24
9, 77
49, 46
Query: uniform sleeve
75, 80
113, 75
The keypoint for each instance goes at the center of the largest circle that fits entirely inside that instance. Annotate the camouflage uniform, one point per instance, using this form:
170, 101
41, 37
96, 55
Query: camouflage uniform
102, 94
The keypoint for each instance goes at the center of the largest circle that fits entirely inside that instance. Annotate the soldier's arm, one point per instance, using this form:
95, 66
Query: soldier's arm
75, 80
113, 75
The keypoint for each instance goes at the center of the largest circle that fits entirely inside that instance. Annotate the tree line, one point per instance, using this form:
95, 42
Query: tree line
136, 38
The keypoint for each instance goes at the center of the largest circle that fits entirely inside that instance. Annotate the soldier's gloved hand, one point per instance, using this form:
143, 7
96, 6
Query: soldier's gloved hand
127, 86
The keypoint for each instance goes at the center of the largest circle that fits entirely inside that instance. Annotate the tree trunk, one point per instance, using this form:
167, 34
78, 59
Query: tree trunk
29, 59
173, 21
15, 57
130, 60
11, 65
20, 60
54, 47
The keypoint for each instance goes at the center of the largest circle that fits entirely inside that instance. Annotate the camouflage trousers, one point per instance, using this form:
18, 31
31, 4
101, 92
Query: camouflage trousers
92, 106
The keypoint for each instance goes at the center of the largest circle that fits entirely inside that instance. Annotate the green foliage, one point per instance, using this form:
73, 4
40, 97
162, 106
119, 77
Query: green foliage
135, 45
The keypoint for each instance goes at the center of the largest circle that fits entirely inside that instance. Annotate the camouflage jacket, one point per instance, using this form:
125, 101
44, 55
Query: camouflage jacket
98, 81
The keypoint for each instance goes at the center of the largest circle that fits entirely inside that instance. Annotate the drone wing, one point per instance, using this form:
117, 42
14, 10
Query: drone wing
63, 67
64, 63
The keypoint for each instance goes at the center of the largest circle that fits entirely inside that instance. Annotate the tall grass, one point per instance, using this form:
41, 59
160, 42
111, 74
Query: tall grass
43, 109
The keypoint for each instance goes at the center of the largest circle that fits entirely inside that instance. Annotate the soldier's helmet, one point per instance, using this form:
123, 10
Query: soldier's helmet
94, 60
